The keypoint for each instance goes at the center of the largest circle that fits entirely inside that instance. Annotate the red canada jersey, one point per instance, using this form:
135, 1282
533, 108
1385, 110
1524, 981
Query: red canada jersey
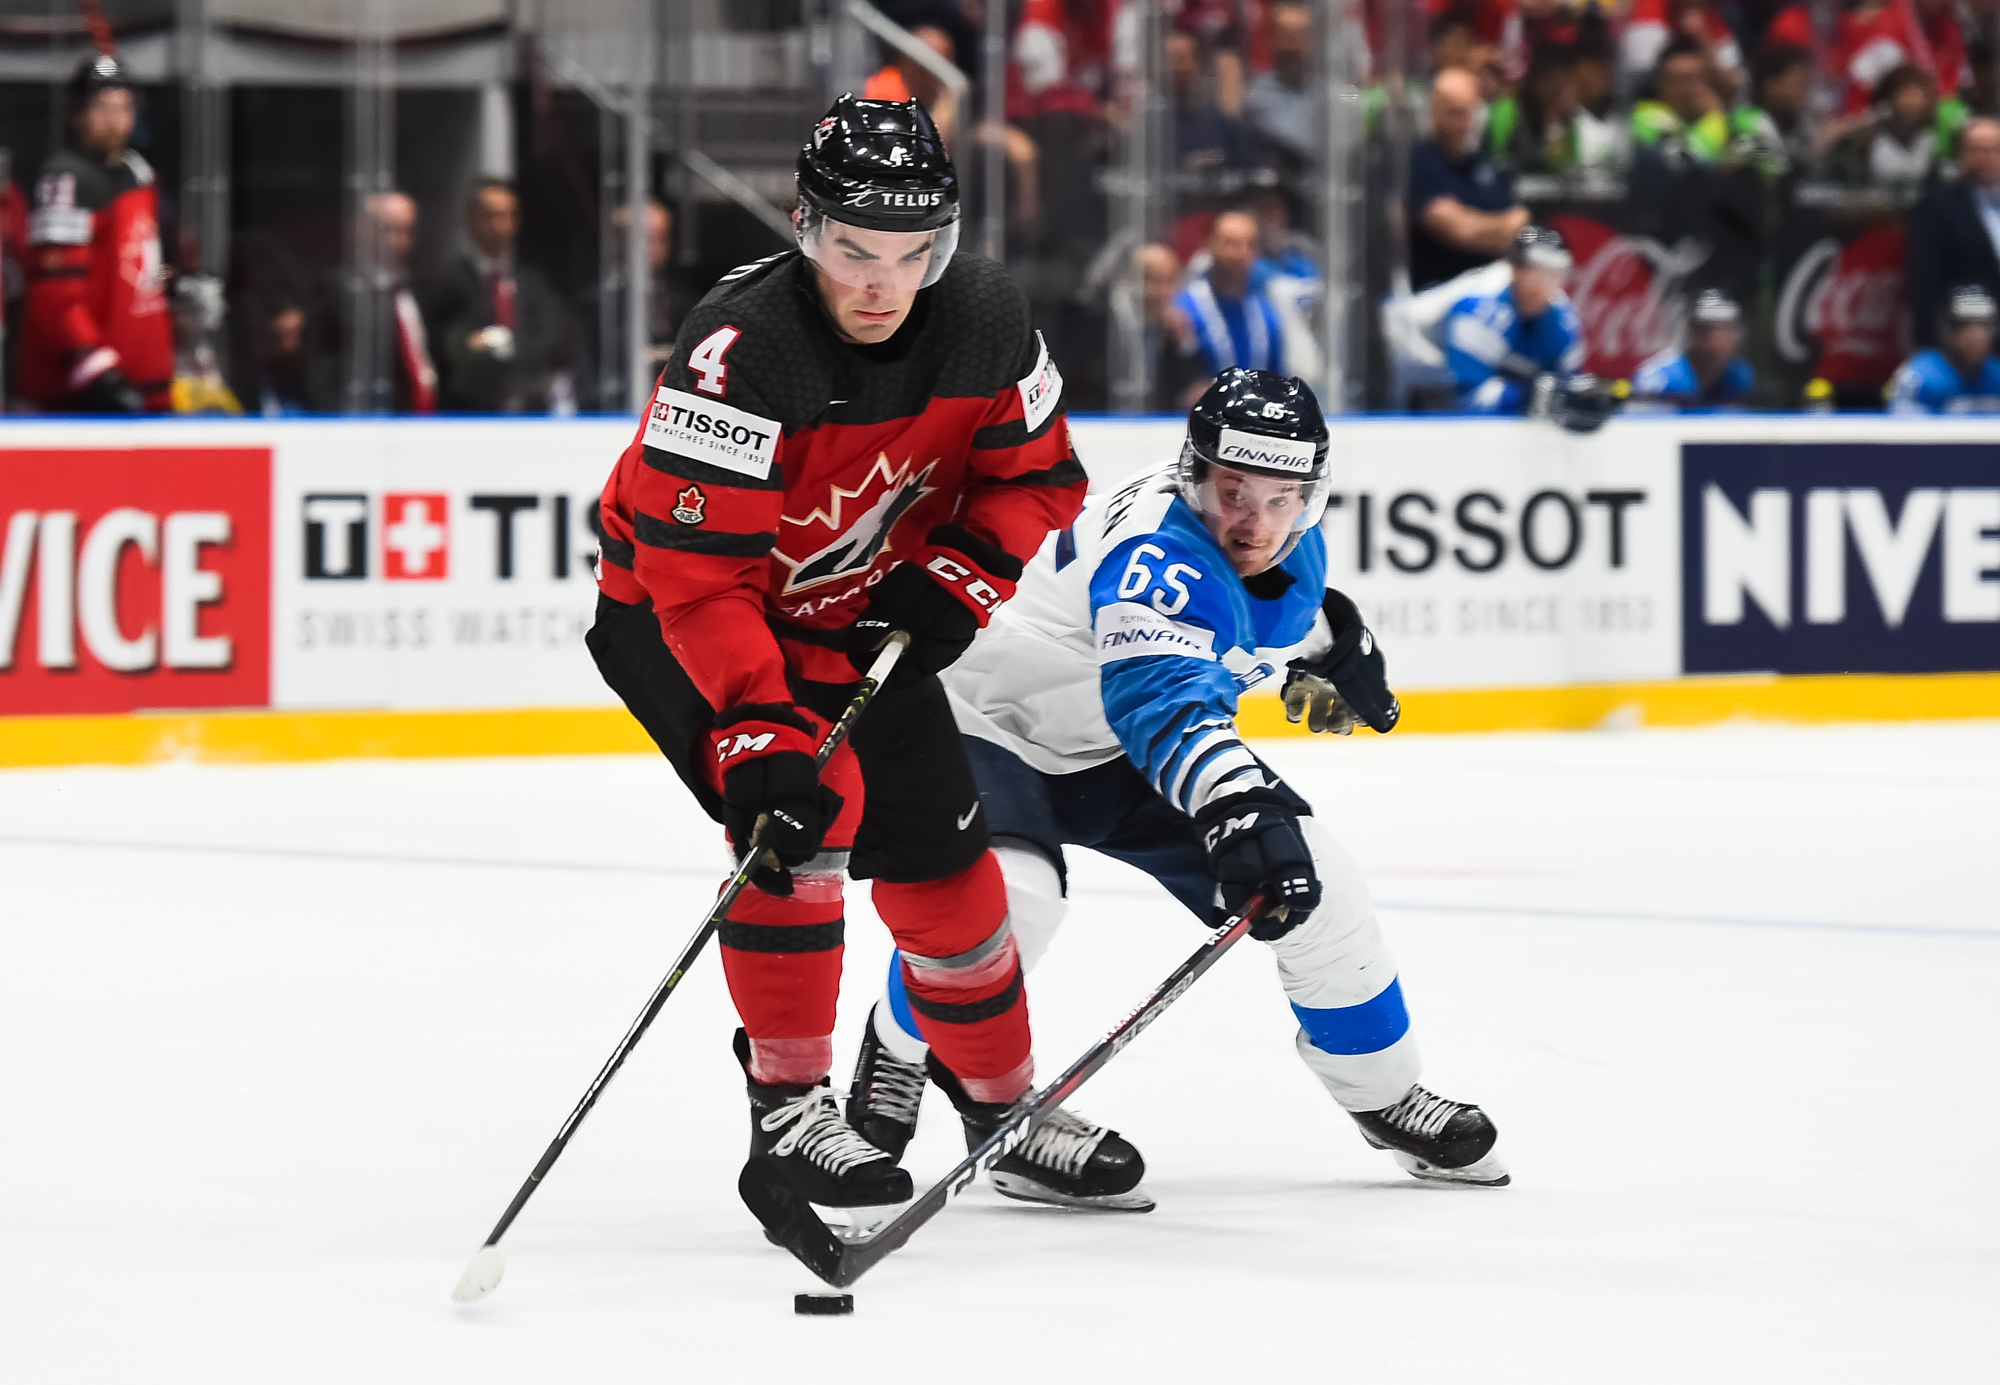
96, 281
781, 472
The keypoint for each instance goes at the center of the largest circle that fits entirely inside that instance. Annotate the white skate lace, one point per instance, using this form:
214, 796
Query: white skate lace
1421, 1112
1063, 1142
895, 1088
819, 1133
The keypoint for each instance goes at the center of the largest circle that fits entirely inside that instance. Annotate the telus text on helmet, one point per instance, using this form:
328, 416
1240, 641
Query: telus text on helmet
863, 197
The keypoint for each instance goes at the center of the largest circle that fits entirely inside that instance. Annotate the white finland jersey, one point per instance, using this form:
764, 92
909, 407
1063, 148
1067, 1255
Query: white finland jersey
1030, 681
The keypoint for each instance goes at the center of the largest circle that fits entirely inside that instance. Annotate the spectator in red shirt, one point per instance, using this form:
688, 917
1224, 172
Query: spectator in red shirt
1652, 24
1871, 40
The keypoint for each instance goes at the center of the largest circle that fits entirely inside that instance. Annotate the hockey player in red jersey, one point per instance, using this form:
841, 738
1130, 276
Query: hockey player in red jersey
857, 436
96, 336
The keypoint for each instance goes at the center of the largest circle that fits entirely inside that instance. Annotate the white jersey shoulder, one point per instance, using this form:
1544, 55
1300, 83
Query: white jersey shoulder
1030, 682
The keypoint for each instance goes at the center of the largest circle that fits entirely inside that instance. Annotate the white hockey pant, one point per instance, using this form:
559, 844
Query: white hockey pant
1335, 970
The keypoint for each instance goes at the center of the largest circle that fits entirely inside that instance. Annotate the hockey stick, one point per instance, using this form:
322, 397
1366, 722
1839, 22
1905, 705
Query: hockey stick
482, 1276
791, 1220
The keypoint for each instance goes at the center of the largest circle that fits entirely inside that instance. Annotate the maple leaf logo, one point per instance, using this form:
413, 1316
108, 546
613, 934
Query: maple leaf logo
689, 504
861, 519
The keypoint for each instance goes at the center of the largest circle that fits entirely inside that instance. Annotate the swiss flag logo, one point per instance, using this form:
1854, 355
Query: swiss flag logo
416, 537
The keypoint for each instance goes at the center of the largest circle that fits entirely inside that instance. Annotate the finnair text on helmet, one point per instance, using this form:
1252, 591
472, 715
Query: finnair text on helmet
1238, 448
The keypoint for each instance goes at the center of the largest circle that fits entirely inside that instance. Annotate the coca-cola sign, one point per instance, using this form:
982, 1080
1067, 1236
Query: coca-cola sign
1628, 291
1844, 304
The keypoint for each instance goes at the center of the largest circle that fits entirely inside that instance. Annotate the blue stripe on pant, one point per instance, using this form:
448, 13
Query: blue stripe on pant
1368, 1027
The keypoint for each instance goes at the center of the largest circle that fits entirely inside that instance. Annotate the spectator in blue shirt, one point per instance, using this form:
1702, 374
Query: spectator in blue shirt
1463, 213
1709, 374
1510, 351
1960, 375
1233, 324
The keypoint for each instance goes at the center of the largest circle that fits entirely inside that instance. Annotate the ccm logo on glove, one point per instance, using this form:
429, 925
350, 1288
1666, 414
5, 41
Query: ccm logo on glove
731, 746
1229, 827
978, 589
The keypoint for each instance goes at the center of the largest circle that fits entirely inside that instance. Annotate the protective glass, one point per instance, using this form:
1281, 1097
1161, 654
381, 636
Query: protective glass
879, 261
1238, 500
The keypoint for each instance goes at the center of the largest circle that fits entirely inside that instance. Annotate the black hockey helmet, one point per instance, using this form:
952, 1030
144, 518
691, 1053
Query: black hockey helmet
94, 75
1256, 424
879, 167
1541, 247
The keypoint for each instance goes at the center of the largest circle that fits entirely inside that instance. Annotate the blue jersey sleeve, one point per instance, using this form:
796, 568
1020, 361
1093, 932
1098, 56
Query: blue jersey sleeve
1664, 374
1738, 380
1165, 615
1474, 344
1913, 390
1568, 353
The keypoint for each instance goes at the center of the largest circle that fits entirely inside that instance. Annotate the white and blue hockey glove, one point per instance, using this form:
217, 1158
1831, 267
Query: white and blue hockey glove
1350, 680
1254, 843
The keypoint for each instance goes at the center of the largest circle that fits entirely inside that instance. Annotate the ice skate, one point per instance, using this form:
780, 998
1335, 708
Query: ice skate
1066, 1162
883, 1102
1436, 1139
852, 1185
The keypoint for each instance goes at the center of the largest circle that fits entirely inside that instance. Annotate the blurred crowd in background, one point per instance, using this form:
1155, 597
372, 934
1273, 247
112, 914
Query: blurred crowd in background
1715, 203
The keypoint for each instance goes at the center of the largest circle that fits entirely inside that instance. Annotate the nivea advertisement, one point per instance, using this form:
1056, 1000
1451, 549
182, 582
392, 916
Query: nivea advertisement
1840, 557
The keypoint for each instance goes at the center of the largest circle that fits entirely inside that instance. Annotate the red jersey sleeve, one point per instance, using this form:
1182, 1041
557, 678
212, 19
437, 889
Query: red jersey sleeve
57, 314
704, 489
1023, 479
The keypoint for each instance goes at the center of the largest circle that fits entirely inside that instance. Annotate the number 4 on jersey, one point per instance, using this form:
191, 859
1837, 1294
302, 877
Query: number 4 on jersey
706, 360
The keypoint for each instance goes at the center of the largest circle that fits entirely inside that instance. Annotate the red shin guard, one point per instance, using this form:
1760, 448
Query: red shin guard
782, 957
782, 954
962, 972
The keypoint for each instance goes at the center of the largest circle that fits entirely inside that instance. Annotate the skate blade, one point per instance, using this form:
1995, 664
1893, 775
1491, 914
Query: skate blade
1486, 1172
1023, 1189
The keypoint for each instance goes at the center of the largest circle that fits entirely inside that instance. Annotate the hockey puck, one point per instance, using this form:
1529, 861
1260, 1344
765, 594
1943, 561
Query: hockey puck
823, 1305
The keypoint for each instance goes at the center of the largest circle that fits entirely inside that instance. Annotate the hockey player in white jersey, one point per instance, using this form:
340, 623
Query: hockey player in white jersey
1098, 710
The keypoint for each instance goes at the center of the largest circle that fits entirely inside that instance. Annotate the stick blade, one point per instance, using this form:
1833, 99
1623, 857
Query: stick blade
481, 1277
790, 1219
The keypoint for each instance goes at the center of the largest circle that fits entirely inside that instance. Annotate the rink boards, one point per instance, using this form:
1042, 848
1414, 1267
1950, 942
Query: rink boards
294, 589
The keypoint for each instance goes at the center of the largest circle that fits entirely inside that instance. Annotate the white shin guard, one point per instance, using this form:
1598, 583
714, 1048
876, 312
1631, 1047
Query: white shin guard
1337, 968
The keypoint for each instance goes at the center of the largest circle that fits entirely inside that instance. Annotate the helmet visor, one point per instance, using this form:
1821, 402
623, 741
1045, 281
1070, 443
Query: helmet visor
1255, 507
889, 262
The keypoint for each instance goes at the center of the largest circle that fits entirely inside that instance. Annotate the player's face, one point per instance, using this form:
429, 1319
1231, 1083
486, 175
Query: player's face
106, 123
1534, 288
1970, 342
1715, 341
869, 279
1251, 517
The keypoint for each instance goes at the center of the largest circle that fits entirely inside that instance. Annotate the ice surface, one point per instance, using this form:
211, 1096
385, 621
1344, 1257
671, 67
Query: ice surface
277, 1044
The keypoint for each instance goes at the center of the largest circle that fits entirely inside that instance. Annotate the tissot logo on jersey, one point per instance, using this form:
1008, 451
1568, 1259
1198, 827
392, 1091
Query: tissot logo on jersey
862, 520
721, 436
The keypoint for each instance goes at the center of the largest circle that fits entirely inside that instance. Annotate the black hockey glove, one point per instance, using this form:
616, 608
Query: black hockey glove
1350, 680
1254, 843
766, 753
110, 393
1576, 403
943, 595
